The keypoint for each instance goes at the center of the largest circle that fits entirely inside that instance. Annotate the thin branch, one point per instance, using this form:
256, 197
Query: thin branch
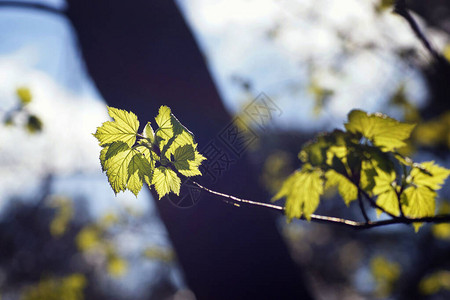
332, 220
401, 9
370, 199
374, 204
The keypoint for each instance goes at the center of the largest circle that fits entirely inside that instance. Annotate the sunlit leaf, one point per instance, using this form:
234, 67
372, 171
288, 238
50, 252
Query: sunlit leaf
149, 133
346, 188
194, 165
182, 156
429, 174
126, 168
171, 132
165, 130
381, 130
166, 181
139, 169
124, 128
420, 202
385, 190
302, 191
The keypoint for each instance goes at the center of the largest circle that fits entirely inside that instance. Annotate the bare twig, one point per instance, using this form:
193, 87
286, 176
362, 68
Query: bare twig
401, 9
332, 220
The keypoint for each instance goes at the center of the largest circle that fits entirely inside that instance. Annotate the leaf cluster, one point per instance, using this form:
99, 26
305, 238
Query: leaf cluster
363, 162
157, 157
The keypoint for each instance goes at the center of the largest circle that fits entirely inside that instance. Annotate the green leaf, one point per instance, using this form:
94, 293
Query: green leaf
385, 190
163, 119
420, 202
148, 132
139, 169
114, 149
124, 128
194, 165
166, 181
116, 164
322, 150
302, 191
389, 202
171, 132
103, 157
382, 131
375, 161
367, 179
125, 167
182, 155
346, 188
429, 174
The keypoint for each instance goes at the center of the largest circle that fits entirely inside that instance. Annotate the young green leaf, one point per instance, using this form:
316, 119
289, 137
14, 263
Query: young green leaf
384, 189
116, 164
139, 169
124, 128
429, 174
182, 156
148, 132
381, 130
425, 179
302, 191
194, 164
163, 119
420, 203
346, 188
126, 168
166, 181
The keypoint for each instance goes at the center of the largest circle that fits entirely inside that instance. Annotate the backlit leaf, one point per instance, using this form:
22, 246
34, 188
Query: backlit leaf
126, 168
124, 128
181, 157
381, 130
346, 188
384, 188
429, 174
194, 165
165, 129
302, 191
420, 202
148, 132
166, 181
139, 169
